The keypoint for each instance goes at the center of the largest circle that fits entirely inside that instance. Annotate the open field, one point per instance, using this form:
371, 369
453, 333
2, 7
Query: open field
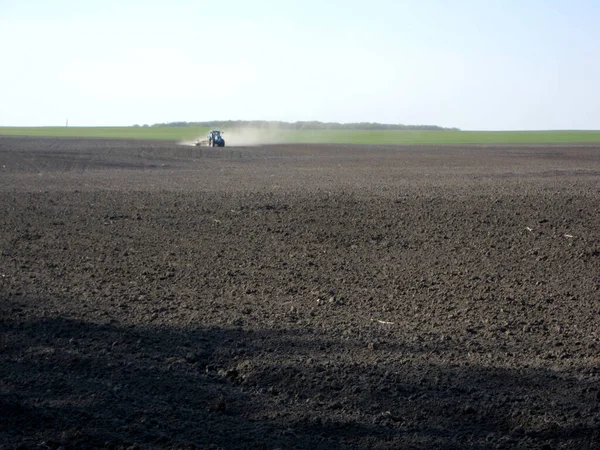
389, 137
298, 296
153, 133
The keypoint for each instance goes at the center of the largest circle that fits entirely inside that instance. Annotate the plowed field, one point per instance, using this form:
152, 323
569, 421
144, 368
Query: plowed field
298, 296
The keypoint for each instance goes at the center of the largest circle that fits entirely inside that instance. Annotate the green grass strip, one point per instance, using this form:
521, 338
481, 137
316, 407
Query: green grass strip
170, 133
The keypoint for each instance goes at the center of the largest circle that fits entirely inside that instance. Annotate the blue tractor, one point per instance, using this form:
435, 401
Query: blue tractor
215, 139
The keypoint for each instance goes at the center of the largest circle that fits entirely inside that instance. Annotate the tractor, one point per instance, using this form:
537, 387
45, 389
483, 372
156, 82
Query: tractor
214, 139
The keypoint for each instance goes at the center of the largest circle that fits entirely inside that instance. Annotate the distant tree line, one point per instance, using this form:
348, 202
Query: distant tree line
312, 125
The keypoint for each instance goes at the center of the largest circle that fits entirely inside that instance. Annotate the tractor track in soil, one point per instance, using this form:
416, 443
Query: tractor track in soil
298, 296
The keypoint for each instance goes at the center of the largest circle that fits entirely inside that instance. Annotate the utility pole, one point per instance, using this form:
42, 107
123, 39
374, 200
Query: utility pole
67, 123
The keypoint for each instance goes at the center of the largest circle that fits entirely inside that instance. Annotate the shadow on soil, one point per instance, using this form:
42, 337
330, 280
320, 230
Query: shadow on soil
77, 384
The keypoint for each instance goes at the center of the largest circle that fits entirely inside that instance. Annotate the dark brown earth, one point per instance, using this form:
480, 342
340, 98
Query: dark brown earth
161, 296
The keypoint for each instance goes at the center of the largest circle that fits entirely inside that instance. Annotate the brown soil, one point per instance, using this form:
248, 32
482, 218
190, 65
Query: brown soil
161, 296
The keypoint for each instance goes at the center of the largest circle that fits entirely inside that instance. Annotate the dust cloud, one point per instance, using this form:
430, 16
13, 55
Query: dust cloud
245, 137
192, 143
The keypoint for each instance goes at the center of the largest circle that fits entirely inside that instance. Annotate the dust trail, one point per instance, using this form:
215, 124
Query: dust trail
192, 143
245, 137
254, 136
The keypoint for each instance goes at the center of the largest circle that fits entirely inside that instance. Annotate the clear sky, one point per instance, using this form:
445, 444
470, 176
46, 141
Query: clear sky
472, 64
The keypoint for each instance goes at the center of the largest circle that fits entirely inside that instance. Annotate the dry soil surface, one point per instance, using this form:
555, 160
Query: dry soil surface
299, 296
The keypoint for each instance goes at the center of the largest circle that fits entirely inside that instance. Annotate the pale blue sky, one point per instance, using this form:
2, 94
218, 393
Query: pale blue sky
468, 64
